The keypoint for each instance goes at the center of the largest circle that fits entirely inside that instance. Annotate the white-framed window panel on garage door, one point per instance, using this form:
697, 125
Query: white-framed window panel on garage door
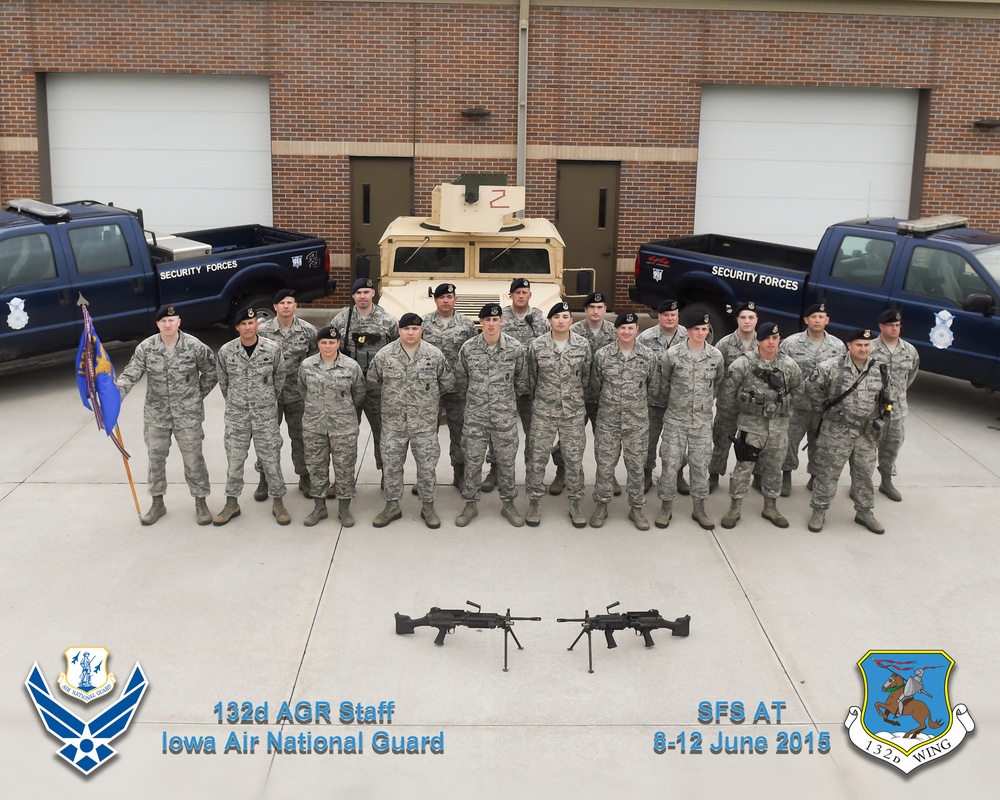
782, 163
193, 151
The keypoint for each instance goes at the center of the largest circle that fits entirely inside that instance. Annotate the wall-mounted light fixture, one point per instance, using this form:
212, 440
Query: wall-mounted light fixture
479, 112
986, 123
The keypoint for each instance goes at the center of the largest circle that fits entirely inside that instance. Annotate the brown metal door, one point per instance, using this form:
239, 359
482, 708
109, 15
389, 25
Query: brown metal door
381, 190
587, 215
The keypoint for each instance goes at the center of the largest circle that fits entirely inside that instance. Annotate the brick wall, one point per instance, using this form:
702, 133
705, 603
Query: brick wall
400, 73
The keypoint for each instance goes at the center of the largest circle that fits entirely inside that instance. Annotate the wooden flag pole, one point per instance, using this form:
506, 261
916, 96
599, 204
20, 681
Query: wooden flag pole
128, 471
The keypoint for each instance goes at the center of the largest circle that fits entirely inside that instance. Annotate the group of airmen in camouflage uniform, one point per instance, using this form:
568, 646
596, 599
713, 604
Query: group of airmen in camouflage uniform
664, 393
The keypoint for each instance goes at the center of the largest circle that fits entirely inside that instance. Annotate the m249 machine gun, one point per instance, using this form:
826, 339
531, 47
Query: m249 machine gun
642, 622
447, 619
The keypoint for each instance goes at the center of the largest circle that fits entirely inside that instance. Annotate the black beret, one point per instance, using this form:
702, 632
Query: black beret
750, 305
667, 305
490, 310
519, 283
766, 329
859, 333
626, 318
166, 311
558, 308
594, 297
327, 333
281, 294
815, 308
443, 289
246, 313
409, 318
362, 283
890, 315
692, 317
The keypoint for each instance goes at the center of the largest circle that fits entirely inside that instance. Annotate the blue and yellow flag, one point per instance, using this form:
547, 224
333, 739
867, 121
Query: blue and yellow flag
95, 375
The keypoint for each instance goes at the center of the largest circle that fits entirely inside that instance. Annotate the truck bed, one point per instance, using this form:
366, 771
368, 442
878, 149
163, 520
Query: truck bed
729, 247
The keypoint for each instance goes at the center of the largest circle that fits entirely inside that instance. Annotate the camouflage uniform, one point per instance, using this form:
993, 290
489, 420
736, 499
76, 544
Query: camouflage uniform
361, 338
411, 388
252, 386
805, 414
848, 432
597, 339
491, 379
448, 335
762, 412
904, 363
331, 394
624, 383
558, 379
690, 380
525, 329
659, 343
297, 341
176, 385
731, 347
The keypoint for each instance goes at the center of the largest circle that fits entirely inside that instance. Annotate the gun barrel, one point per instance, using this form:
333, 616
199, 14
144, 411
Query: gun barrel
579, 619
527, 619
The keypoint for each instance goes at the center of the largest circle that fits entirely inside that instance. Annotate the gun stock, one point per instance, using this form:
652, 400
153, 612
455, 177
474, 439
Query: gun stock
406, 625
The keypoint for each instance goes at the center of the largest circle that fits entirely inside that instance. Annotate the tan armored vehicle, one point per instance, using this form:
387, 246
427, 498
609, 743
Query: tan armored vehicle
474, 240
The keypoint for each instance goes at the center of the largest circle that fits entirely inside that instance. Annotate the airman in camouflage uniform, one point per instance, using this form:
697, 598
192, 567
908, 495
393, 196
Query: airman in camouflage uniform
904, 363
412, 376
690, 376
333, 388
808, 349
365, 328
558, 374
180, 372
666, 334
491, 373
448, 331
760, 388
849, 387
598, 331
625, 376
742, 340
297, 339
251, 377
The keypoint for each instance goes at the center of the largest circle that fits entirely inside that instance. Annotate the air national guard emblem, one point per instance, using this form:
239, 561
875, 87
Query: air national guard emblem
86, 677
86, 743
907, 719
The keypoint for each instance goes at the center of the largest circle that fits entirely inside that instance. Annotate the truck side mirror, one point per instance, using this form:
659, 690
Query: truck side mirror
979, 304
584, 282
362, 267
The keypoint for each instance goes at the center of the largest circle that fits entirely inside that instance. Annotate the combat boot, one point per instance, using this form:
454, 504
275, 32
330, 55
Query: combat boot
231, 509
344, 512
600, 514
304, 484
429, 516
509, 512
319, 512
459, 480
279, 512
682, 484
415, 491
713, 482
886, 487
559, 482
468, 514
201, 511
534, 515
666, 514
647, 480
817, 519
638, 519
733, 514
576, 514
700, 515
867, 519
490, 483
387, 514
786, 483
260, 493
771, 513
156, 510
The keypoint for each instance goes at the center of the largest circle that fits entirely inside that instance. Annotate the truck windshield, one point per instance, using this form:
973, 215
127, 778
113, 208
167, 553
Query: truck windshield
515, 261
989, 257
429, 259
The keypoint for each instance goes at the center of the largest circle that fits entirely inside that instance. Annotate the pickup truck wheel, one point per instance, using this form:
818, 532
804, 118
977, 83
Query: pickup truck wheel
720, 321
261, 304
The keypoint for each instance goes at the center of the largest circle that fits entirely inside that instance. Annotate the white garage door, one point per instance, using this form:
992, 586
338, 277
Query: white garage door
193, 151
782, 163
